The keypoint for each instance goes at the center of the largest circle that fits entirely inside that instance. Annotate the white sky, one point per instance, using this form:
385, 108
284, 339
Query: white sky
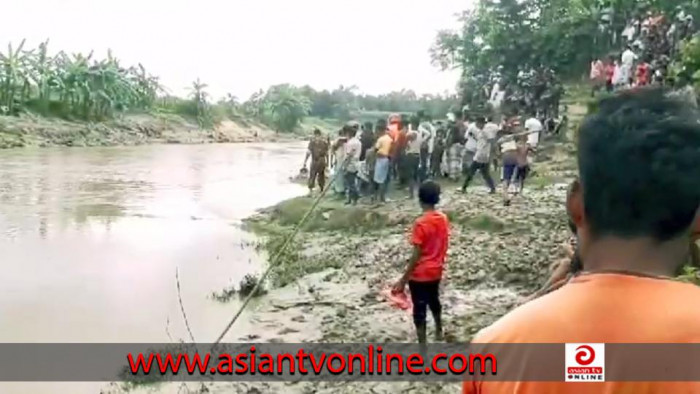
239, 46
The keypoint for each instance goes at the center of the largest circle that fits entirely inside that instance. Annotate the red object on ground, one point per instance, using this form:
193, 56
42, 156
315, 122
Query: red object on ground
398, 300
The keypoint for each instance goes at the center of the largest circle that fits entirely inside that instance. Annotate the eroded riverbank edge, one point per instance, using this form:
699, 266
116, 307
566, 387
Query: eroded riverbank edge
30, 130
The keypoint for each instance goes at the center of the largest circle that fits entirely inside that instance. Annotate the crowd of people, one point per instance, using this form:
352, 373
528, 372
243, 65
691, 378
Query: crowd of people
366, 158
650, 41
632, 217
626, 72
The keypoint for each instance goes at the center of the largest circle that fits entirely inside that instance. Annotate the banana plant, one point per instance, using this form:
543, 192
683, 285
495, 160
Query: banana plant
82, 86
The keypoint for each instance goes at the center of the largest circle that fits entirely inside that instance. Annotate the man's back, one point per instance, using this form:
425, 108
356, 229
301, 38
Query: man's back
318, 147
628, 58
483, 145
599, 308
383, 145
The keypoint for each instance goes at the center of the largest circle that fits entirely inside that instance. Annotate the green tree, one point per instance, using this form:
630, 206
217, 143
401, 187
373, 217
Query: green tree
200, 99
285, 107
74, 86
502, 38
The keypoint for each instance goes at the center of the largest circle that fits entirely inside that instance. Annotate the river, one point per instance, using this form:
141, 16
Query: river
92, 237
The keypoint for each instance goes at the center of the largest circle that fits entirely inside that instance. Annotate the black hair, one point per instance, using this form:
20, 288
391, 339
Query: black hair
380, 125
638, 161
429, 193
347, 131
317, 132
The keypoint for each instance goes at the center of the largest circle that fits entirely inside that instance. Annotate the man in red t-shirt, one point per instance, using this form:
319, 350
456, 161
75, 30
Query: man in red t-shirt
430, 236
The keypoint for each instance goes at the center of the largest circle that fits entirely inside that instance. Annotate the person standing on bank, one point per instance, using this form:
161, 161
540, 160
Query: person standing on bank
482, 158
318, 151
367, 139
353, 150
414, 142
382, 166
430, 239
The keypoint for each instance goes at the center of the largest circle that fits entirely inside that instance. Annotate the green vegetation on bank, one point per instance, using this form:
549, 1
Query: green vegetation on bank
81, 88
72, 86
503, 39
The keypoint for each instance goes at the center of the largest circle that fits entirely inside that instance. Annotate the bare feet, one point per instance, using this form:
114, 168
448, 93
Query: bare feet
439, 337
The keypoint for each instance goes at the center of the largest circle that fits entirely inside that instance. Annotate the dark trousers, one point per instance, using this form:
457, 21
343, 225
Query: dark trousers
426, 295
351, 186
318, 172
483, 168
424, 159
435, 161
412, 164
521, 175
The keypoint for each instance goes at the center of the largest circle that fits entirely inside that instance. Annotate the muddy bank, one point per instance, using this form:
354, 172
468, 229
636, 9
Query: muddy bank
328, 284
35, 131
332, 279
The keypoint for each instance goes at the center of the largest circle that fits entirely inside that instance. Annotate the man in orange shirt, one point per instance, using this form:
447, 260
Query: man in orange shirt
429, 238
635, 212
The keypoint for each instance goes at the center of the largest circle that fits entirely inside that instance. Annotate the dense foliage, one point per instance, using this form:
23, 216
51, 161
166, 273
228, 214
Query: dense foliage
81, 87
503, 38
71, 85
284, 106
345, 103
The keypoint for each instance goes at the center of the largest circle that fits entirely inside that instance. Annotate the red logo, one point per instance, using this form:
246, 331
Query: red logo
584, 362
585, 355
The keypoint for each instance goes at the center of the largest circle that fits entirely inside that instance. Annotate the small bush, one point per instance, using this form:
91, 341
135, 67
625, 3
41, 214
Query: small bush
247, 285
224, 295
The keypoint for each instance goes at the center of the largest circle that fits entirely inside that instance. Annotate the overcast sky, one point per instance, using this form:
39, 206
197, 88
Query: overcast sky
239, 46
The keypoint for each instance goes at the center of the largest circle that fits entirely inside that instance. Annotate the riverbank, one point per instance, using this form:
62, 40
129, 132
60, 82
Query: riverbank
327, 287
30, 130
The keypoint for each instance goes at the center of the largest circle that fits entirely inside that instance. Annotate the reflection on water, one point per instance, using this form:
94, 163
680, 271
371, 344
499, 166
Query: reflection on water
90, 238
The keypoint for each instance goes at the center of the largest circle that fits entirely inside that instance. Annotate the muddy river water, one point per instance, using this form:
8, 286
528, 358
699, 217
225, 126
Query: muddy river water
90, 238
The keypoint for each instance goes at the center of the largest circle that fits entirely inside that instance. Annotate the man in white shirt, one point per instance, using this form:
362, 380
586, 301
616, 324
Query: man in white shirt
469, 146
414, 140
491, 130
534, 127
484, 140
426, 132
628, 58
353, 149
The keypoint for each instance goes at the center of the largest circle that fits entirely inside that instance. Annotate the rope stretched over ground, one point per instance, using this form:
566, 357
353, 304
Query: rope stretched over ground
278, 254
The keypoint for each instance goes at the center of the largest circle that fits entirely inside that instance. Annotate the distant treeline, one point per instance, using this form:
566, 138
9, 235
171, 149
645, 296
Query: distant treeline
346, 103
82, 87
